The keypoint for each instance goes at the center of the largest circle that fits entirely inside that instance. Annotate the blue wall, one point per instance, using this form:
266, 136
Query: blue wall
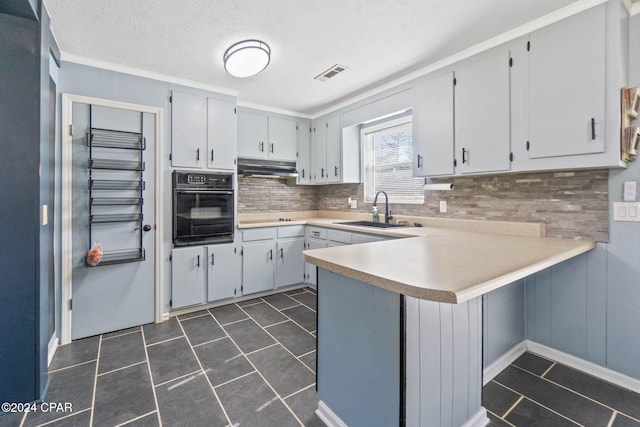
25, 174
590, 306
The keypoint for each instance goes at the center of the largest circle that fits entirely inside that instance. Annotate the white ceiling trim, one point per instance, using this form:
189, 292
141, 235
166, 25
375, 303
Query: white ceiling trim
523, 30
105, 65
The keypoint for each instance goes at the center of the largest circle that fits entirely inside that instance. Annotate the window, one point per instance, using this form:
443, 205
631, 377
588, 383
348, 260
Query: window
387, 161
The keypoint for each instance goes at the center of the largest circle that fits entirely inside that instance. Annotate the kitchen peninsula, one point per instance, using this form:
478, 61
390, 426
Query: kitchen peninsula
400, 322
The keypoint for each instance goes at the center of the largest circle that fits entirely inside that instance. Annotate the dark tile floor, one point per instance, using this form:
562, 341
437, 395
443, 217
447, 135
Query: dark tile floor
253, 364
538, 391
246, 364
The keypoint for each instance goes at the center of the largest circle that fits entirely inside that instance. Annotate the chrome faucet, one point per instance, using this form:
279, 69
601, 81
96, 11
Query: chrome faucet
387, 212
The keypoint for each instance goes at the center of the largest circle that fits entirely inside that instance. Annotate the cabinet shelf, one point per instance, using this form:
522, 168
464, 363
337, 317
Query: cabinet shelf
120, 257
107, 218
112, 184
113, 164
115, 201
106, 138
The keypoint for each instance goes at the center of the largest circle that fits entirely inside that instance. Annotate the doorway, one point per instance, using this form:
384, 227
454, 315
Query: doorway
109, 200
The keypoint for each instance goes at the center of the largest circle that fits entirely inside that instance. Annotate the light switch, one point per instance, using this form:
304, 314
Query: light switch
625, 211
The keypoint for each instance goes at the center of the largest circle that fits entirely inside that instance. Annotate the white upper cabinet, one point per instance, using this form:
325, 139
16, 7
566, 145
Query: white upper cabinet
283, 136
203, 131
482, 113
263, 136
567, 86
222, 133
188, 130
252, 134
304, 152
319, 151
334, 149
433, 127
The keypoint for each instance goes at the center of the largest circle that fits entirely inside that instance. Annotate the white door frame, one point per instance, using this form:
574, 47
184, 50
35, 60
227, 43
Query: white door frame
67, 208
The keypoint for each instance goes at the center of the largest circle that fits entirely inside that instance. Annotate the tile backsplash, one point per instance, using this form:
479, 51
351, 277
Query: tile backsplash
573, 204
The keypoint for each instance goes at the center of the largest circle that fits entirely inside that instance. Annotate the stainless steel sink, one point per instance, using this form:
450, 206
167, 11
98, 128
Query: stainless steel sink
372, 224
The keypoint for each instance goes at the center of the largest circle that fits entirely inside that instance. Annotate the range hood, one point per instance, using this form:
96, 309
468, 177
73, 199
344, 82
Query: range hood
266, 168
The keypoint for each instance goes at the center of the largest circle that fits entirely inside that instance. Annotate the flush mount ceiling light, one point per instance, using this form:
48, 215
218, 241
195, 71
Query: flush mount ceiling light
247, 58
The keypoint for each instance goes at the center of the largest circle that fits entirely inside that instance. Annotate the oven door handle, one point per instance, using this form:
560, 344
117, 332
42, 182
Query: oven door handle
228, 193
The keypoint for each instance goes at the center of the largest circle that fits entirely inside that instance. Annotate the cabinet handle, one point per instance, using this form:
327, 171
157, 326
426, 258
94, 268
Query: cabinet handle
261, 146
282, 253
198, 154
213, 259
593, 128
198, 262
303, 173
335, 170
271, 147
419, 161
270, 254
322, 173
212, 155
464, 155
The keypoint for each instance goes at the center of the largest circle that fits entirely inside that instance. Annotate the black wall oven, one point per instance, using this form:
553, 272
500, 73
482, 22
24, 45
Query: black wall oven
203, 208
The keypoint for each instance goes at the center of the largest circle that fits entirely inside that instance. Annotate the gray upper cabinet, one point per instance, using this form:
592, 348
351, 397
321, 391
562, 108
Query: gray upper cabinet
482, 114
567, 86
188, 130
263, 136
203, 131
334, 149
433, 127
222, 133
252, 134
304, 152
283, 138
319, 151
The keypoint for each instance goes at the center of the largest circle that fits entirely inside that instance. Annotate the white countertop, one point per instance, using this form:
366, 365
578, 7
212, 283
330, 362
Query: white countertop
443, 263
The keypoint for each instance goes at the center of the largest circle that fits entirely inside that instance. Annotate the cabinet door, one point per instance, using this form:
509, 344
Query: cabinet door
567, 86
283, 139
221, 272
310, 269
222, 133
188, 130
482, 114
290, 262
258, 261
304, 152
319, 152
252, 134
334, 149
188, 273
358, 238
433, 127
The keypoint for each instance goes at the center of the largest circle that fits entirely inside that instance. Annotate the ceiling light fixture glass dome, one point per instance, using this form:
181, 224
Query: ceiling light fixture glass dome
247, 58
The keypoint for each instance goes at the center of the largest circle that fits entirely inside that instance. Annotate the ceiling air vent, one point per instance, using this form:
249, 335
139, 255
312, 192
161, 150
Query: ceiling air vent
330, 73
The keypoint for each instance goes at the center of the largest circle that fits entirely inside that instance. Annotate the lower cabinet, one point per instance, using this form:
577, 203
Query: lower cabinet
203, 273
272, 258
222, 272
290, 262
310, 269
257, 267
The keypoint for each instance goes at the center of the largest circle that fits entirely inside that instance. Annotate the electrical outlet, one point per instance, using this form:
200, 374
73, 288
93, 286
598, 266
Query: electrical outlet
443, 205
354, 204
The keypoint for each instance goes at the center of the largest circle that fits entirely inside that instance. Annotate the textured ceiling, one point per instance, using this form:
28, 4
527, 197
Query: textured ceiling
377, 40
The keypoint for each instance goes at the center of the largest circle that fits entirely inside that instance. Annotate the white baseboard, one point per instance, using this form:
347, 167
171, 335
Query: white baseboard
479, 419
51, 349
328, 416
491, 371
589, 368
